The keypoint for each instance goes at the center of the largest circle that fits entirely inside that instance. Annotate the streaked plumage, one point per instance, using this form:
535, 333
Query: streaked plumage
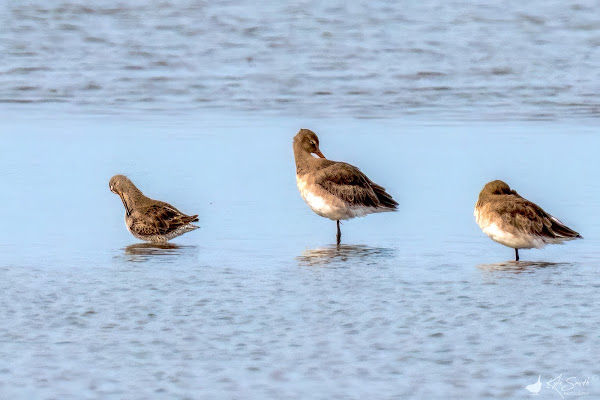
513, 221
148, 219
335, 190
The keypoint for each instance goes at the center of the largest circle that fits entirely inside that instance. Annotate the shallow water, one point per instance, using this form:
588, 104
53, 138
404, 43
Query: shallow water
197, 102
454, 59
259, 303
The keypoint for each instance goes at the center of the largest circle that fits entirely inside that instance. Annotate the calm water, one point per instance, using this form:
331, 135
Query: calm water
197, 102
259, 303
467, 59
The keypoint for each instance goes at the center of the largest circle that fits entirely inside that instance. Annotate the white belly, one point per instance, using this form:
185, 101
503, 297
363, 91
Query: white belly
516, 241
513, 238
330, 207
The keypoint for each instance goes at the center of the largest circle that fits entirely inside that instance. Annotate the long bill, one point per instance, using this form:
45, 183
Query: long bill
127, 211
318, 152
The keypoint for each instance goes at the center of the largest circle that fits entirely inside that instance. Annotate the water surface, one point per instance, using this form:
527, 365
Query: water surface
453, 59
197, 102
259, 302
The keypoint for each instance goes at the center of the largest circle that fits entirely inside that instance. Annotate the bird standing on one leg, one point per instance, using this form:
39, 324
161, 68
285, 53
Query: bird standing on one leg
511, 220
332, 189
148, 219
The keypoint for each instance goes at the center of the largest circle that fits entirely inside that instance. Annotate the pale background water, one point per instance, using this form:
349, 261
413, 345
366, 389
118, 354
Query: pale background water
197, 102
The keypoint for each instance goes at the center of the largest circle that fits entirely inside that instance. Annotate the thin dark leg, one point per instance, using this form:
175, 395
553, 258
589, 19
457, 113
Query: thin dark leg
339, 233
516, 254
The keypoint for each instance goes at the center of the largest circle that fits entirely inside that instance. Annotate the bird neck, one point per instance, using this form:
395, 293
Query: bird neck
304, 160
132, 197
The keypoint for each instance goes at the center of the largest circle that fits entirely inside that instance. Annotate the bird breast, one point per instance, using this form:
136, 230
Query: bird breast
491, 224
327, 205
316, 201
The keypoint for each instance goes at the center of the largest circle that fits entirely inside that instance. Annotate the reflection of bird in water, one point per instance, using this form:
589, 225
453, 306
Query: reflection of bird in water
518, 267
511, 220
151, 248
148, 219
332, 189
536, 387
343, 253
141, 252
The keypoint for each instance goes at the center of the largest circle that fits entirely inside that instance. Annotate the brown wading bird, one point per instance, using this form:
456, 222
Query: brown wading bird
513, 221
148, 219
335, 190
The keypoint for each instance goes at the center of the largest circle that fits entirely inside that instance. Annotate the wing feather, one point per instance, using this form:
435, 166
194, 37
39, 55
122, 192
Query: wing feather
349, 184
528, 217
160, 219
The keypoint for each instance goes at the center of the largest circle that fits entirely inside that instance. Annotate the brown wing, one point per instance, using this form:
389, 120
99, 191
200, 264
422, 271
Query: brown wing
160, 219
527, 216
348, 183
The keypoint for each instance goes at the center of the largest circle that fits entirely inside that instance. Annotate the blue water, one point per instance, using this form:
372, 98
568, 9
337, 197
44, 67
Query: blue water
198, 104
454, 59
259, 303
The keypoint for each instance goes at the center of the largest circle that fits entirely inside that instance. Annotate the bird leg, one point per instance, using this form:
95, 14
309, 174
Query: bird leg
339, 233
516, 254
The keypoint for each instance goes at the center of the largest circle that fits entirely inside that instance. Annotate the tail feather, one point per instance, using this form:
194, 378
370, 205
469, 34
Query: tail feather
561, 230
190, 218
385, 198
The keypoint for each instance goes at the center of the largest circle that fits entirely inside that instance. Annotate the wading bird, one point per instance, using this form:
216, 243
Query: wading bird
511, 220
332, 189
148, 219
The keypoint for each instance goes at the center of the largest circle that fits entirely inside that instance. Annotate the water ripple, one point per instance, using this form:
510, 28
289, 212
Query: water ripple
344, 254
365, 60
